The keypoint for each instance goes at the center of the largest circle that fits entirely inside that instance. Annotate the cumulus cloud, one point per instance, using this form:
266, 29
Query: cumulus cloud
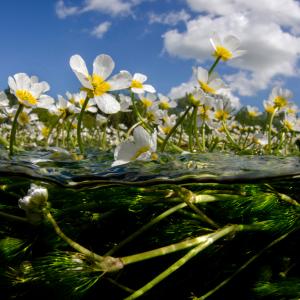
101, 29
63, 11
171, 18
110, 7
267, 30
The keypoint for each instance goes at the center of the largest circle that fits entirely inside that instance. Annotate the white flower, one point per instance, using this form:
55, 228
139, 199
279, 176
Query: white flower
34, 202
125, 102
79, 99
142, 148
147, 99
227, 48
253, 111
209, 83
166, 103
280, 97
96, 84
4, 102
29, 91
63, 107
137, 84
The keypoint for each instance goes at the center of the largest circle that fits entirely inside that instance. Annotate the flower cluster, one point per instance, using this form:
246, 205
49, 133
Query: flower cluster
108, 108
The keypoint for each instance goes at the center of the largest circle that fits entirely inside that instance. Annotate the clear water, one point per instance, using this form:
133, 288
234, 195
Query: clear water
98, 206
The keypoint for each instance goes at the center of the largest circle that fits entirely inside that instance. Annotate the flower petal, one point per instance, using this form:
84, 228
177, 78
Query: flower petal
107, 103
149, 88
141, 137
231, 42
103, 66
78, 66
139, 77
202, 74
120, 81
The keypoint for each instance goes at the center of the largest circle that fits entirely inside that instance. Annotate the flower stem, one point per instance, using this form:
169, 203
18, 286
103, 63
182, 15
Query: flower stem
146, 226
105, 263
180, 120
179, 263
214, 65
14, 130
79, 141
270, 131
229, 137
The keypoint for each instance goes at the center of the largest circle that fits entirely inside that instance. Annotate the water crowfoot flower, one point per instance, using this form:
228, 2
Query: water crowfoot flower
97, 87
34, 202
137, 84
142, 148
209, 82
30, 93
227, 48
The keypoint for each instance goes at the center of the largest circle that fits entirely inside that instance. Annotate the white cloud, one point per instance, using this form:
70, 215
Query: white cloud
63, 11
110, 7
171, 18
101, 29
267, 30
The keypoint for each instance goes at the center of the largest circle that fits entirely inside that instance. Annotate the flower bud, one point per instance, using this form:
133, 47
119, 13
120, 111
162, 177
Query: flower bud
34, 202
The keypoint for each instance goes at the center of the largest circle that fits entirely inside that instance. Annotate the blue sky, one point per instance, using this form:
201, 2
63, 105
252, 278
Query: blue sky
160, 38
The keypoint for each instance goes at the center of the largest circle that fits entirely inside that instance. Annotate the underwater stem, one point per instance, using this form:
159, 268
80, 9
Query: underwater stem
145, 227
179, 263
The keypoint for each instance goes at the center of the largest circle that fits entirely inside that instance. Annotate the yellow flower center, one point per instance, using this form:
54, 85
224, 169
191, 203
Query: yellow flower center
150, 116
100, 86
26, 97
164, 105
252, 113
193, 100
221, 115
140, 151
24, 118
206, 88
136, 84
269, 108
288, 125
146, 102
280, 101
45, 131
166, 129
223, 52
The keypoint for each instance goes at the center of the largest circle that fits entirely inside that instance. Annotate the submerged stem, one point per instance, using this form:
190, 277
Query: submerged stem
179, 263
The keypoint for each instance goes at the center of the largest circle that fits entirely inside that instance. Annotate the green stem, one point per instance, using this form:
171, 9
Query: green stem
104, 263
79, 141
270, 131
166, 249
146, 227
69, 131
191, 129
13, 217
52, 127
229, 137
14, 130
214, 65
245, 265
179, 121
203, 136
179, 263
